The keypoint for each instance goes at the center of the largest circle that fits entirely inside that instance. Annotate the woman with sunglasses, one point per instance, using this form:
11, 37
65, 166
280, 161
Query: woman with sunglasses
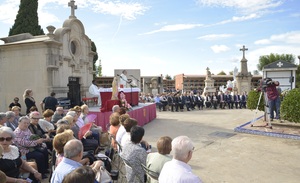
11, 161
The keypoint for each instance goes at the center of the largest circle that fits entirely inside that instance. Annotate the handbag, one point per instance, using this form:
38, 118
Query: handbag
103, 176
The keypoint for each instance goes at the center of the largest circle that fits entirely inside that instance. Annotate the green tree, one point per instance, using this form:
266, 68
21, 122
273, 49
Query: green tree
99, 68
267, 59
94, 49
231, 73
168, 77
27, 20
255, 72
222, 73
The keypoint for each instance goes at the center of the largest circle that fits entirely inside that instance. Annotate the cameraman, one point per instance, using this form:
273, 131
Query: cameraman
273, 98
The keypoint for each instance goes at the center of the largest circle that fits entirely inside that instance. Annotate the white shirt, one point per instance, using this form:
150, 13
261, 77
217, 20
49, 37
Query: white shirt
176, 171
93, 90
125, 139
120, 133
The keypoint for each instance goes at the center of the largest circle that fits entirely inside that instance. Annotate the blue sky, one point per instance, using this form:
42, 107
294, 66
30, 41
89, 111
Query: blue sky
176, 36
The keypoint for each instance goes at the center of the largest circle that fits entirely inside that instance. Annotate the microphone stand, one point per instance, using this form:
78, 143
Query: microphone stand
136, 79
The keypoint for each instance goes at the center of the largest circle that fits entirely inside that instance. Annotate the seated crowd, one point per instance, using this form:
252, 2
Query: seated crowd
178, 101
28, 142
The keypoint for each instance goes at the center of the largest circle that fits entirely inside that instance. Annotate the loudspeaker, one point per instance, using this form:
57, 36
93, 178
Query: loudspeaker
159, 80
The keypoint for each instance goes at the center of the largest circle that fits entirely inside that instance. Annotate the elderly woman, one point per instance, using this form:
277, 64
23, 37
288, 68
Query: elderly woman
156, 161
17, 111
36, 129
88, 142
10, 120
11, 162
134, 155
114, 127
29, 100
46, 123
30, 147
2, 119
58, 114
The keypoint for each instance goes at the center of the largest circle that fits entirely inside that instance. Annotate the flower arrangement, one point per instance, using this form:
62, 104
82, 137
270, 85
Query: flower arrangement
124, 102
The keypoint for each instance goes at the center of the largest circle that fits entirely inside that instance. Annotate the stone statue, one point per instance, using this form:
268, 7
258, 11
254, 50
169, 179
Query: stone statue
154, 83
235, 72
208, 73
115, 91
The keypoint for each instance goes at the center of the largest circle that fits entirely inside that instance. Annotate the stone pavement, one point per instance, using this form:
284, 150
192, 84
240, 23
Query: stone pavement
224, 156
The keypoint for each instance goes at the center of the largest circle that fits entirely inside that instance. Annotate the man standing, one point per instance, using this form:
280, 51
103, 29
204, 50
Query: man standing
49, 102
177, 170
15, 103
273, 99
94, 91
123, 79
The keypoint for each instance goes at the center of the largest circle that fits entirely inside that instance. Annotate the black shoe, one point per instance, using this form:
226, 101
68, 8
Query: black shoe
47, 171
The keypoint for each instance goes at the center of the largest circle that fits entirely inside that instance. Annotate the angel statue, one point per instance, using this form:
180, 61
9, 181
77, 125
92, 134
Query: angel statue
114, 95
208, 73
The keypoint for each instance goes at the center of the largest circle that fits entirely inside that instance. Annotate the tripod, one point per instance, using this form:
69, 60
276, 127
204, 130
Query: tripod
267, 110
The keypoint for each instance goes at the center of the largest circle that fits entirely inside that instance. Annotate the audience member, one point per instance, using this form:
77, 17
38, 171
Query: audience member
134, 155
11, 161
14, 103
81, 174
121, 130
116, 108
10, 119
114, 127
58, 114
2, 119
128, 124
156, 161
17, 111
46, 124
30, 147
28, 99
73, 151
177, 170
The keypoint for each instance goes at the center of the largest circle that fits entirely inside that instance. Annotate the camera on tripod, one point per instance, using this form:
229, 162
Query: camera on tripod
264, 83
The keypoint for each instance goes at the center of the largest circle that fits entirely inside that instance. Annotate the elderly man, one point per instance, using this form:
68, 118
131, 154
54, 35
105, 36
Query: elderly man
177, 170
73, 151
58, 114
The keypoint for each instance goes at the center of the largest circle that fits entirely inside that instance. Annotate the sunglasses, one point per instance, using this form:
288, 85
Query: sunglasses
7, 139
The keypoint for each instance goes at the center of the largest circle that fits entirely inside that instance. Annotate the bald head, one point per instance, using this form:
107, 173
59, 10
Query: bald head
73, 149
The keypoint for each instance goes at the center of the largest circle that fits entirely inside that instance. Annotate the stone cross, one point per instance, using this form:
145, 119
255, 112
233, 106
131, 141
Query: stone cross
280, 64
73, 8
244, 49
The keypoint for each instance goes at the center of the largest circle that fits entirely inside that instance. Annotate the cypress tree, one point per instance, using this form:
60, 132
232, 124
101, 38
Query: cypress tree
27, 20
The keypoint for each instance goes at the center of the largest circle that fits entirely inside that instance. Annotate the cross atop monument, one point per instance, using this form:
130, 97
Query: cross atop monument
244, 49
73, 8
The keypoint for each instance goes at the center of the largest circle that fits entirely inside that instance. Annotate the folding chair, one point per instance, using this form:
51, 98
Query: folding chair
150, 174
127, 164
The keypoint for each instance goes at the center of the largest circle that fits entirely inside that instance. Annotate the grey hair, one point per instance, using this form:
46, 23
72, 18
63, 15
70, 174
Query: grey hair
71, 113
10, 114
115, 107
2, 115
24, 117
5, 129
73, 148
181, 146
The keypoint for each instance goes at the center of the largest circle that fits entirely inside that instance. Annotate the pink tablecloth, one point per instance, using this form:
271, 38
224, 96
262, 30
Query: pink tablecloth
143, 115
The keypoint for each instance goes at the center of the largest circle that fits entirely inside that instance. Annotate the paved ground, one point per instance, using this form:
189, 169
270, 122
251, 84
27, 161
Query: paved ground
221, 155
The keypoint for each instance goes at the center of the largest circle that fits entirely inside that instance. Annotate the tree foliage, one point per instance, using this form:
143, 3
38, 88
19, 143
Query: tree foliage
99, 69
94, 49
267, 59
252, 100
290, 105
222, 73
231, 73
255, 72
27, 20
168, 77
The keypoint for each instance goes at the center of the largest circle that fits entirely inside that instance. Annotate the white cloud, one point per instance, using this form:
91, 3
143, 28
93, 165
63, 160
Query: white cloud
288, 38
219, 48
128, 11
8, 11
242, 5
239, 19
211, 37
295, 15
262, 41
175, 27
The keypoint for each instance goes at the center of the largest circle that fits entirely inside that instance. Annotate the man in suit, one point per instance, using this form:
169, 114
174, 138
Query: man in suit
221, 97
236, 100
199, 101
170, 101
192, 99
229, 100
